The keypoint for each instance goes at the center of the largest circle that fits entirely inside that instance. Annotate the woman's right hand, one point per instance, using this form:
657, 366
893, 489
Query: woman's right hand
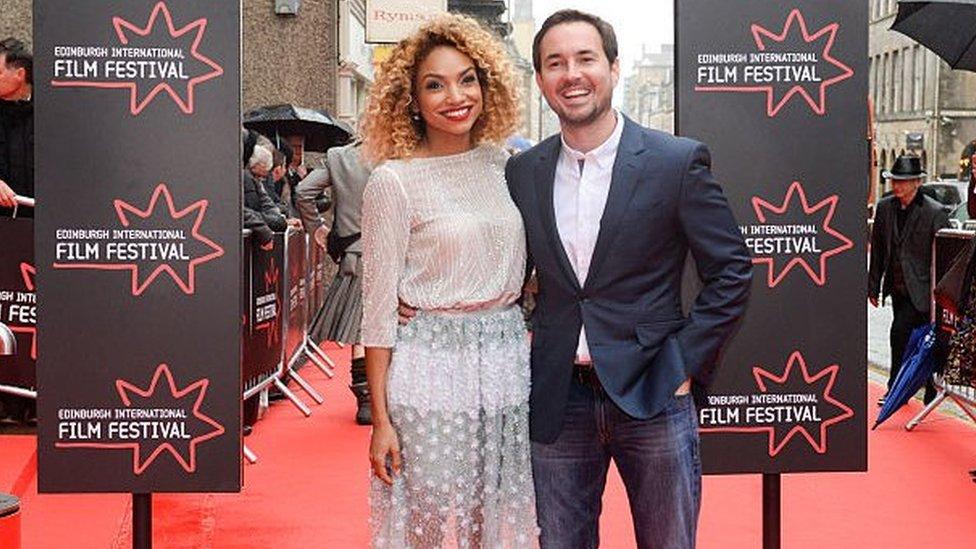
384, 442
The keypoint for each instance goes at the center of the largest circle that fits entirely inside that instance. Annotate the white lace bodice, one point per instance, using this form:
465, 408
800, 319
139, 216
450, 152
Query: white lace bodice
440, 234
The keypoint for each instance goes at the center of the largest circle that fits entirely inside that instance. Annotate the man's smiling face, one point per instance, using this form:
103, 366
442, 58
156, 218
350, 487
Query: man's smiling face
575, 75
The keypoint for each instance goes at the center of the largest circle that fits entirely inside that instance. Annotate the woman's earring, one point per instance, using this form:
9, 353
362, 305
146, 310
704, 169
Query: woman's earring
415, 116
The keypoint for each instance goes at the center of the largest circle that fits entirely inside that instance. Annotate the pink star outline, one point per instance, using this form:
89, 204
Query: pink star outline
819, 105
27, 272
819, 444
124, 388
122, 208
796, 188
136, 106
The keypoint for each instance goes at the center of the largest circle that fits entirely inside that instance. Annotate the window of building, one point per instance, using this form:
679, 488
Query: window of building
873, 79
896, 81
884, 92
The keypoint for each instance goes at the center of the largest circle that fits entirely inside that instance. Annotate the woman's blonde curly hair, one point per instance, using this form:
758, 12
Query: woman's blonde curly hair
387, 127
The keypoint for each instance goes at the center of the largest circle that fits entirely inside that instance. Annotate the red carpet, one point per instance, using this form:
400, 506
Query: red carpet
309, 490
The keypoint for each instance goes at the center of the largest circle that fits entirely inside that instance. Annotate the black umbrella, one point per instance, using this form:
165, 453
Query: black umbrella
321, 131
947, 27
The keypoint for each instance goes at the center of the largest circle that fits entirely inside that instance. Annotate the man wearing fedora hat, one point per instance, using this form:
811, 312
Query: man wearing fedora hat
905, 224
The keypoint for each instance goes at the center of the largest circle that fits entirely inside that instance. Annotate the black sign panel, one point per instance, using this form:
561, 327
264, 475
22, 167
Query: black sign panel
18, 309
778, 91
950, 246
297, 292
263, 344
138, 245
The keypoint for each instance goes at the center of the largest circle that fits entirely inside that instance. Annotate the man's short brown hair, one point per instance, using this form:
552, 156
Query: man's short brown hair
607, 35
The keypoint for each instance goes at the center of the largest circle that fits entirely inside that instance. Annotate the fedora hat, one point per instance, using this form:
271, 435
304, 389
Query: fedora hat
906, 166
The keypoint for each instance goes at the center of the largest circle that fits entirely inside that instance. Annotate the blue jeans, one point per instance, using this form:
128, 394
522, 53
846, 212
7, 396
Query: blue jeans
657, 458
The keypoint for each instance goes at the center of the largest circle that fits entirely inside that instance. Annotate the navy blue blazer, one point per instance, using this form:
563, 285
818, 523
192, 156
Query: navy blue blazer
663, 203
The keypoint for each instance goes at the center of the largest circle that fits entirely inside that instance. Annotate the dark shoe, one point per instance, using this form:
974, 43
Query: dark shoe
364, 415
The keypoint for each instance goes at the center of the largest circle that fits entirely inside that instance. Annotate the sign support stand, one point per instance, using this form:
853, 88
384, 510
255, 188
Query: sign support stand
772, 519
142, 521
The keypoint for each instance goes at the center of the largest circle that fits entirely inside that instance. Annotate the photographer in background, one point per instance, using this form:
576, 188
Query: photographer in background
16, 124
16, 165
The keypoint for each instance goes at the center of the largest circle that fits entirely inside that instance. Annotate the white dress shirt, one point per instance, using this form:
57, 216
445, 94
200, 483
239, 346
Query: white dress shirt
579, 196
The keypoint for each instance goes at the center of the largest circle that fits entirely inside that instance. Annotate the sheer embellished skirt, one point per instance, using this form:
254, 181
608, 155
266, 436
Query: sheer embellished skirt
458, 394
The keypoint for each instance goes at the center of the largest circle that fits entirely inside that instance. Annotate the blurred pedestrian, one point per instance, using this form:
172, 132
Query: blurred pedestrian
16, 124
905, 225
16, 164
255, 196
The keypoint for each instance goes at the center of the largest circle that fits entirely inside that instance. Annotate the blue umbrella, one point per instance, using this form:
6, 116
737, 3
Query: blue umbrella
916, 369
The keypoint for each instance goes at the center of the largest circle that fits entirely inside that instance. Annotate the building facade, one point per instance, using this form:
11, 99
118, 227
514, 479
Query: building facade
920, 104
523, 32
356, 65
287, 58
649, 90
290, 58
17, 20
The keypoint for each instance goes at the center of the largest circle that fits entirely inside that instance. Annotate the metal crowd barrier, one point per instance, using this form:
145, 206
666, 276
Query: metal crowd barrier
292, 269
948, 244
299, 287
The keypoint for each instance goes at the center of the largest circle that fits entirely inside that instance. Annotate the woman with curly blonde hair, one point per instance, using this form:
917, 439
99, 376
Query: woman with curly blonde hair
441, 235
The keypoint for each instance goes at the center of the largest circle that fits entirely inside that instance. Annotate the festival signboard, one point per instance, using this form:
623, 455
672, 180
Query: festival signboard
265, 328
779, 94
18, 308
138, 245
297, 306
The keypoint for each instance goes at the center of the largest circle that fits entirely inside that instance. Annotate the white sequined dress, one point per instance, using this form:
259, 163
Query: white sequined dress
442, 235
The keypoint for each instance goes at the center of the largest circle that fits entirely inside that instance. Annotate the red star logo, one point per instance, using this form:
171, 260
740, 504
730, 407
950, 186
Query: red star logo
124, 210
795, 42
794, 379
27, 271
271, 280
194, 31
189, 398
786, 214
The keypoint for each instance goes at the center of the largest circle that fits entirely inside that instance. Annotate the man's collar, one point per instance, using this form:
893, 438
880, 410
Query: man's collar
603, 155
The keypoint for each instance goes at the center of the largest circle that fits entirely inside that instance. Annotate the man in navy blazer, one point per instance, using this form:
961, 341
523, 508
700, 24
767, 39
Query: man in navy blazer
611, 211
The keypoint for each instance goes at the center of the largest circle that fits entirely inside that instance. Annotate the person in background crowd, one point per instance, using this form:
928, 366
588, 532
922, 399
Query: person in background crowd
905, 225
255, 197
261, 234
295, 172
296, 167
340, 316
274, 178
450, 447
16, 124
252, 218
16, 164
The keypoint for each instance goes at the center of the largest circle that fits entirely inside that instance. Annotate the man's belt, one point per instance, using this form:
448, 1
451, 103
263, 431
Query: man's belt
585, 375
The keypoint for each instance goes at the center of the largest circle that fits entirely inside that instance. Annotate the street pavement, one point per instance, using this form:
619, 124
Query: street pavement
879, 351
